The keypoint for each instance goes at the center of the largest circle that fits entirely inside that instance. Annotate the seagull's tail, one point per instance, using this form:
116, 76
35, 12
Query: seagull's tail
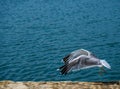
105, 64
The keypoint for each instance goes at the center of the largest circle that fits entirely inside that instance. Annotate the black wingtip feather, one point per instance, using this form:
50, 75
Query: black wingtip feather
61, 67
64, 70
66, 58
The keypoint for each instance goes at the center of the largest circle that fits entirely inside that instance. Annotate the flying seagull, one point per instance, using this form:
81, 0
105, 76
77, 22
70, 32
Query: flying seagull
81, 59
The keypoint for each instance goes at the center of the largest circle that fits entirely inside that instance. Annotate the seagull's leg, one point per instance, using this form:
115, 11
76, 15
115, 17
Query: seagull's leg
101, 71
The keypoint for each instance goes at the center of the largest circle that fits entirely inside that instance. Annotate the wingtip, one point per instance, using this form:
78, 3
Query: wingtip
63, 69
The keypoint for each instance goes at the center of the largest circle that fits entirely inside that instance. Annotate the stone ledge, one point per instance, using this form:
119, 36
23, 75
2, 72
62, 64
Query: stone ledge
59, 85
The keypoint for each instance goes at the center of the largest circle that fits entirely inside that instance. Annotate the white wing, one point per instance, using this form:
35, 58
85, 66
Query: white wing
76, 54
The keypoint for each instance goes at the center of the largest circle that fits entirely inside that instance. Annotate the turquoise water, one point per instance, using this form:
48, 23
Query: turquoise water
36, 34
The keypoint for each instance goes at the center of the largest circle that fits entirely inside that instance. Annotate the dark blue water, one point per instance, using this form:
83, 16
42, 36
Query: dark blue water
36, 34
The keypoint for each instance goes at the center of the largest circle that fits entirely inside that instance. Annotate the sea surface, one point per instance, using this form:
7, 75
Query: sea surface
36, 34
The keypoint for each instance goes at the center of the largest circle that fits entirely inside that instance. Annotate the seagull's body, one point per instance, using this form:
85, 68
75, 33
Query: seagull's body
81, 59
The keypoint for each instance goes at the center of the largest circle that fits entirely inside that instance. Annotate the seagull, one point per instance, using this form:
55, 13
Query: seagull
81, 59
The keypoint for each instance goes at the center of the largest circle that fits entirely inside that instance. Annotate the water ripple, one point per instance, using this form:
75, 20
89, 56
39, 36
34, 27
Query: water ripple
35, 36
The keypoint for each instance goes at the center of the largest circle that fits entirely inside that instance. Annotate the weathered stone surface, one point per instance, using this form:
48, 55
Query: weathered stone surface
59, 85
16, 86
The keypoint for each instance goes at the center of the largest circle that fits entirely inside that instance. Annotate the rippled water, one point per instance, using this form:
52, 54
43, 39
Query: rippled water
36, 34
